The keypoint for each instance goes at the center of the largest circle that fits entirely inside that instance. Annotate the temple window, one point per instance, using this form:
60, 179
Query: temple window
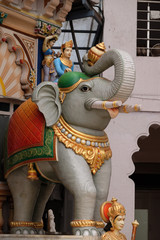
148, 28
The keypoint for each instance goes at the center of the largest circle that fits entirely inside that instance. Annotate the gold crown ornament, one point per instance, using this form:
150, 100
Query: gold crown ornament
111, 209
68, 44
95, 53
116, 209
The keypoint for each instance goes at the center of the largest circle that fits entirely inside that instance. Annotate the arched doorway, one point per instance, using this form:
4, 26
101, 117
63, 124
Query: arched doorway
147, 183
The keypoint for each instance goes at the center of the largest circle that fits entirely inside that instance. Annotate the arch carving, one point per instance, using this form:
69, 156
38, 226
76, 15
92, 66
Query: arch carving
149, 151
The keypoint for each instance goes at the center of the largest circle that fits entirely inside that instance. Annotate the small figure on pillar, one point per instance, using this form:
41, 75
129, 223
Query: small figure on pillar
48, 66
113, 213
63, 64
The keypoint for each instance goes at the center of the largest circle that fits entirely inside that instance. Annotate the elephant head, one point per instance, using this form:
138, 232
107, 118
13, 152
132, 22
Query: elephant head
123, 83
80, 92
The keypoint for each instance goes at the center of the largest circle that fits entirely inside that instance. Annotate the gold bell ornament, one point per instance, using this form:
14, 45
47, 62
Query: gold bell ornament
95, 53
32, 174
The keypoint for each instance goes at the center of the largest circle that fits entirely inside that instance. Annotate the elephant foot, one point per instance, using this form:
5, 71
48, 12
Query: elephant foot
101, 231
87, 228
26, 228
23, 230
100, 227
40, 231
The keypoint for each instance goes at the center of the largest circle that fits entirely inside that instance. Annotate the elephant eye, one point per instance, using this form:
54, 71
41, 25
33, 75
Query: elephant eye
85, 88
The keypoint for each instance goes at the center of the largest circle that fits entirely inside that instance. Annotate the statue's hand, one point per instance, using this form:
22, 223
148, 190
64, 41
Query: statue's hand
49, 37
67, 70
129, 108
85, 57
58, 54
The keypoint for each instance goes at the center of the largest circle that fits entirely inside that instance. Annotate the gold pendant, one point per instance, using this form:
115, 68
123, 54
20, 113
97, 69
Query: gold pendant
32, 174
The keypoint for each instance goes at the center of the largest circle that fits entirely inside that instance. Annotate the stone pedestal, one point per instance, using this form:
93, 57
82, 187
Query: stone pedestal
45, 237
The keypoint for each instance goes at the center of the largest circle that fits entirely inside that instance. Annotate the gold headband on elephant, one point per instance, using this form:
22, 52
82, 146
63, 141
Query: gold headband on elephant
69, 81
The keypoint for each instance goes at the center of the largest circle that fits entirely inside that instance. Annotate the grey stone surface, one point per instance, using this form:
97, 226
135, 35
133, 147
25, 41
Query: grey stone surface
45, 237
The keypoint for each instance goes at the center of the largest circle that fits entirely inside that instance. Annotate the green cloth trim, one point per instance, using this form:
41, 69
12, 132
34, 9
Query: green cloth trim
34, 154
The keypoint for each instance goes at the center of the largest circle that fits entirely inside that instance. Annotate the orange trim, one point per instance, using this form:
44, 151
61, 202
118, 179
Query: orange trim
104, 210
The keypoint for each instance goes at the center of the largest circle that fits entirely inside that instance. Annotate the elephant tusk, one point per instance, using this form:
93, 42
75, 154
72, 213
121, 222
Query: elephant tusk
106, 104
130, 108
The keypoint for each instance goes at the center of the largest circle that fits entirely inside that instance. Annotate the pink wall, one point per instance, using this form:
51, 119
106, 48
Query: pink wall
120, 32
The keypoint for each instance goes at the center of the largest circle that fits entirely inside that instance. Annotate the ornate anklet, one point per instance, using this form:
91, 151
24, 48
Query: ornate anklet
26, 224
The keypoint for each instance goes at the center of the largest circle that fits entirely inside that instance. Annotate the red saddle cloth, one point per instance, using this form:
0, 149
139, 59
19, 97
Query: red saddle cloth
26, 128
29, 140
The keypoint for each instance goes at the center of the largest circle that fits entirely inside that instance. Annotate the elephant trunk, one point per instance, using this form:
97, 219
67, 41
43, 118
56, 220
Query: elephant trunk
124, 79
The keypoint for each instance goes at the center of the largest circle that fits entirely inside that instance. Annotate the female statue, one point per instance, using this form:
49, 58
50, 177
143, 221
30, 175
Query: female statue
48, 66
114, 214
63, 63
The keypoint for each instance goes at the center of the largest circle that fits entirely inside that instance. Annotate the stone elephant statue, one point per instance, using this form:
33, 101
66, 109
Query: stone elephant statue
58, 136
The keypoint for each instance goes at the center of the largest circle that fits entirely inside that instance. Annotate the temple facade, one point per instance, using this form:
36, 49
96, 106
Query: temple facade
133, 137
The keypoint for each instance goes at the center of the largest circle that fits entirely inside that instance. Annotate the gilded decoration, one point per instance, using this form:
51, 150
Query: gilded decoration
87, 223
95, 53
32, 78
112, 236
66, 62
26, 224
45, 28
62, 96
94, 149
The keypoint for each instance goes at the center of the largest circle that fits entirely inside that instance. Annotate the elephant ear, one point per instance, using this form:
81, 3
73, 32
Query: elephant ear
46, 96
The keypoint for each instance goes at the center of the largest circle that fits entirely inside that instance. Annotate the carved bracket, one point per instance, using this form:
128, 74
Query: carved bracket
64, 10
27, 4
50, 8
